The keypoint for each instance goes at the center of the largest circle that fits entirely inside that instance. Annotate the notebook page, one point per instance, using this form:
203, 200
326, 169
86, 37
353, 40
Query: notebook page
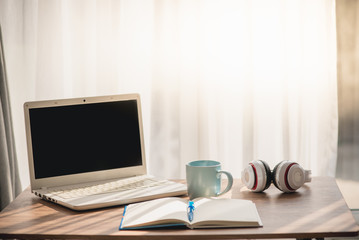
157, 211
225, 210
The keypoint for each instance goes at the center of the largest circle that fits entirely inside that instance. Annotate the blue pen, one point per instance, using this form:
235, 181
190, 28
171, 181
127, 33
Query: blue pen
190, 210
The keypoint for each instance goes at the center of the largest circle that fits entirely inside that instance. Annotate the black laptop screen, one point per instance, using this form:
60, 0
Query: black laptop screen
85, 138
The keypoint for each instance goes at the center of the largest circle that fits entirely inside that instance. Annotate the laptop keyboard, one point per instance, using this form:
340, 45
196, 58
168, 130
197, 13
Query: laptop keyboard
139, 182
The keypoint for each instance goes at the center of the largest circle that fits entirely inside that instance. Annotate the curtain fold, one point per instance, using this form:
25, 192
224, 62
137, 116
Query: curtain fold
227, 80
10, 185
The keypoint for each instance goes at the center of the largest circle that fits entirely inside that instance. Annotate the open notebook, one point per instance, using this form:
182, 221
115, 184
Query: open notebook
87, 153
198, 213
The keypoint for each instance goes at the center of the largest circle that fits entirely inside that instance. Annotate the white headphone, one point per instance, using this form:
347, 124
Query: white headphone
286, 176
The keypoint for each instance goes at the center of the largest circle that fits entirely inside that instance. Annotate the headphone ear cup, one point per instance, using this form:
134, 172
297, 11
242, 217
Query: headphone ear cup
268, 174
257, 176
288, 176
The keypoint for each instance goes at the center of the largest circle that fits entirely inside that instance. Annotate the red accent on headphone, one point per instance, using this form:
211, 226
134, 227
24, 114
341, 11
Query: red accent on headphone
255, 176
286, 177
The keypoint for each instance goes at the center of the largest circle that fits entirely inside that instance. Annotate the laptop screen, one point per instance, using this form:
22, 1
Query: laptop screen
85, 138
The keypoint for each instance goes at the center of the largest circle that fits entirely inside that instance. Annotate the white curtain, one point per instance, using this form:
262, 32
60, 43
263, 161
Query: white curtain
10, 185
232, 81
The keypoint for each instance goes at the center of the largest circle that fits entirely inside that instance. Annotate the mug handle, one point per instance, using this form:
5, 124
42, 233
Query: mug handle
230, 181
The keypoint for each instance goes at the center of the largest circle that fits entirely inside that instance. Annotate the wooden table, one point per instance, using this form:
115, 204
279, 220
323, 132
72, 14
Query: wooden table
317, 210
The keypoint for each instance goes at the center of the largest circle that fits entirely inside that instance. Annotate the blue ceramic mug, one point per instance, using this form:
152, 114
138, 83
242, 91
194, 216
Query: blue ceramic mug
204, 179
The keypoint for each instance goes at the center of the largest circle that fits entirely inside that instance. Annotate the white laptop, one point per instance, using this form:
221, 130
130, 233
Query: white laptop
87, 153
